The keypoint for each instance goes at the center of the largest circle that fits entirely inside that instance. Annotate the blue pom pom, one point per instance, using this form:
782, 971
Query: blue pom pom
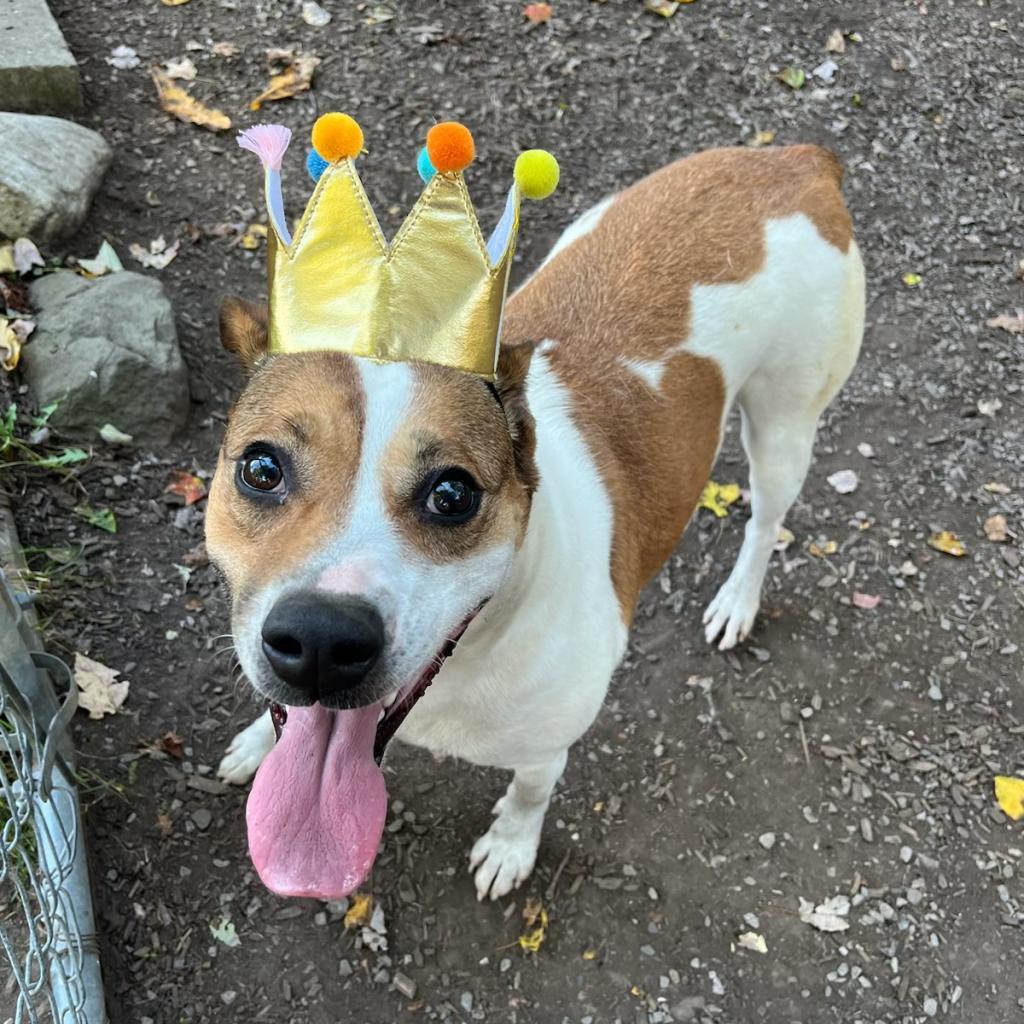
424, 167
316, 165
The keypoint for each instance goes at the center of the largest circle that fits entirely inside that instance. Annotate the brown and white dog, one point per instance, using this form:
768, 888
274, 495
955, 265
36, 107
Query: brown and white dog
367, 515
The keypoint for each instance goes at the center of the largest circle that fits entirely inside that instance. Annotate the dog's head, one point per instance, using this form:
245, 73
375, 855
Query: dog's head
362, 514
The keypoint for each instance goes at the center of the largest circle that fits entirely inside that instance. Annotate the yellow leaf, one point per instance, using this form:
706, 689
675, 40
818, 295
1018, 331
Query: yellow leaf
7, 259
830, 547
995, 529
177, 101
948, 543
590, 954
911, 280
536, 919
173, 3
252, 236
10, 345
359, 910
718, 497
295, 78
666, 8
762, 139
1010, 794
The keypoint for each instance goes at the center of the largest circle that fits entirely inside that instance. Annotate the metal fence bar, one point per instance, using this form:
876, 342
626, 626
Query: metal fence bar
47, 929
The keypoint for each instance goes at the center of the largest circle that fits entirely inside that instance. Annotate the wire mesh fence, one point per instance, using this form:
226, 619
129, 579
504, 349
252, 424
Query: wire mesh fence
47, 932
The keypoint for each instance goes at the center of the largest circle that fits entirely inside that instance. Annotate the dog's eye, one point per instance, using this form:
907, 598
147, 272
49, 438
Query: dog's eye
261, 471
453, 496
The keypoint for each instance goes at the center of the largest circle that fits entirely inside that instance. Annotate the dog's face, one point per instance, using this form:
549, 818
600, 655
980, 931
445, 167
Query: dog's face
362, 513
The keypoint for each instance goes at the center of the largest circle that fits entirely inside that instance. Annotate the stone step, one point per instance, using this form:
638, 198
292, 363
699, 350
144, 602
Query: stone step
38, 73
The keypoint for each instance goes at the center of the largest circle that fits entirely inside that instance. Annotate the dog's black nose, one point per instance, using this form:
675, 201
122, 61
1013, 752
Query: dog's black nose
322, 644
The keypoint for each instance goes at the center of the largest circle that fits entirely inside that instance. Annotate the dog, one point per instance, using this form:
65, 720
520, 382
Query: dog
467, 557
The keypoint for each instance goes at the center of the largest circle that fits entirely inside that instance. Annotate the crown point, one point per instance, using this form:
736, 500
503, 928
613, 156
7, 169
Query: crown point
536, 173
337, 136
315, 165
450, 147
424, 168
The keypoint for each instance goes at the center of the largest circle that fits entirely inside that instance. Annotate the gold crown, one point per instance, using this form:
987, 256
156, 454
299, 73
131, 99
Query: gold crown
434, 294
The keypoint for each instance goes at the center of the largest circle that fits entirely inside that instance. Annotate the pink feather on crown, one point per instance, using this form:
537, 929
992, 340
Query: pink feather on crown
268, 142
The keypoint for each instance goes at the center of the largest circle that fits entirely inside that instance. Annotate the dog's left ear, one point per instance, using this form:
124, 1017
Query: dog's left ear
243, 329
510, 383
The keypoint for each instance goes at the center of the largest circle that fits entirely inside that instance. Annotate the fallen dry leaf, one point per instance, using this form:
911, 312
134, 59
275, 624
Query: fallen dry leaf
911, 280
124, 58
537, 14
666, 8
1005, 322
795, 78
751, 940
172, 745
296, 77
995, 529
173, 3
10, 345
224, 49
535, 917
165, 825
830, 547
989, 406
948, 543
866, 601
252, 236
1010, 794
187, 486
106, 261
994, 487
829, 916
181, 68
225, 933
26, 255
359, 910
758, 139
157, 256
111, 435
99, 693
784, 539
835, 42
178, 102
718, 497
7, 258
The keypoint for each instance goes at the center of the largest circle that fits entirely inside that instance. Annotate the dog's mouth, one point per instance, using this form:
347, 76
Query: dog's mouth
318, 804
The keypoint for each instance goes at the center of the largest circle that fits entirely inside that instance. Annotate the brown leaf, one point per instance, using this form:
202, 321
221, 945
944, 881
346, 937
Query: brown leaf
836, 43
186, 485
166, 826
995, 529
538, 13
172, 745
98, 691
179, 103
295, 78
1006, 322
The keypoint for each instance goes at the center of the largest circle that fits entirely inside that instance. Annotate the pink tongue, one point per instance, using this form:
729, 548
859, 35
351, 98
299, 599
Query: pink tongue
317, 807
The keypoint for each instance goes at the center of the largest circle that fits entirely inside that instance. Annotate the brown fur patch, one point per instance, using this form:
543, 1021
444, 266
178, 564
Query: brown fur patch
624, 291
310, 407
456, 421
244, 330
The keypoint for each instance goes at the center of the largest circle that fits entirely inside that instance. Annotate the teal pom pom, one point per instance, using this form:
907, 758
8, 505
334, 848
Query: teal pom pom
424, 167
316, 165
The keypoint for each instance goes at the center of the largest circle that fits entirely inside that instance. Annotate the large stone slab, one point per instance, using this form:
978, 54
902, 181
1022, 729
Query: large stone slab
49, 172
38, 73
107, 351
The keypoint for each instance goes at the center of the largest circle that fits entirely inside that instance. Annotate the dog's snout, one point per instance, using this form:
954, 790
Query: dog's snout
322, 644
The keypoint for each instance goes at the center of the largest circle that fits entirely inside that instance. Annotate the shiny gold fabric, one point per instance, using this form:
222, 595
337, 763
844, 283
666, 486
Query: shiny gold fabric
432, 295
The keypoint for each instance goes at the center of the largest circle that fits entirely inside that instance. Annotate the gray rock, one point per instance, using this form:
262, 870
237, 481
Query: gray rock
37, 71
49, 173
107, 351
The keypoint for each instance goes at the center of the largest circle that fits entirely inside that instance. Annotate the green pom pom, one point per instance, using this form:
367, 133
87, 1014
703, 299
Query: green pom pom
536, 173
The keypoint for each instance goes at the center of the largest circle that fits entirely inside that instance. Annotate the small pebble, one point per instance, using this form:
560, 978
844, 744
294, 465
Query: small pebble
202, 818
404, 984
767, 839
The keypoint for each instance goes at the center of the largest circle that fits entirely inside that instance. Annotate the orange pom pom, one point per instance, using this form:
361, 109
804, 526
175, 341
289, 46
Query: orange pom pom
450, 146
336, 136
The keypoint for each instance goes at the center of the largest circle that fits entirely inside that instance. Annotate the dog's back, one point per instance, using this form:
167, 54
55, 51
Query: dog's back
717, 277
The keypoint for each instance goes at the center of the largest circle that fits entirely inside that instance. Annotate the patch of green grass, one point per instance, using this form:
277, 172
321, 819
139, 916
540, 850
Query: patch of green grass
17, 450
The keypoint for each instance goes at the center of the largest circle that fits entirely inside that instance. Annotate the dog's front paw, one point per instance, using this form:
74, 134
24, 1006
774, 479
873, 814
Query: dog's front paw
501, 861
731, 614
246, 752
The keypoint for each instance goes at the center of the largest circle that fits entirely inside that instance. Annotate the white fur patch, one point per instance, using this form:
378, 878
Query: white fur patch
583, 225
650, 372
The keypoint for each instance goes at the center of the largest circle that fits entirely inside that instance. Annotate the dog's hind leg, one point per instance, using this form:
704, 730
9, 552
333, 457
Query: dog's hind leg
247, 750
505, 855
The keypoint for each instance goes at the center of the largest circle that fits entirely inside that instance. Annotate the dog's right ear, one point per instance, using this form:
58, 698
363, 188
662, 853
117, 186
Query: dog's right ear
243, 329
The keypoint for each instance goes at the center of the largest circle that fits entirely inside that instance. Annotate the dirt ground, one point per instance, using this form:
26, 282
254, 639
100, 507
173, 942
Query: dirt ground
842, 751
